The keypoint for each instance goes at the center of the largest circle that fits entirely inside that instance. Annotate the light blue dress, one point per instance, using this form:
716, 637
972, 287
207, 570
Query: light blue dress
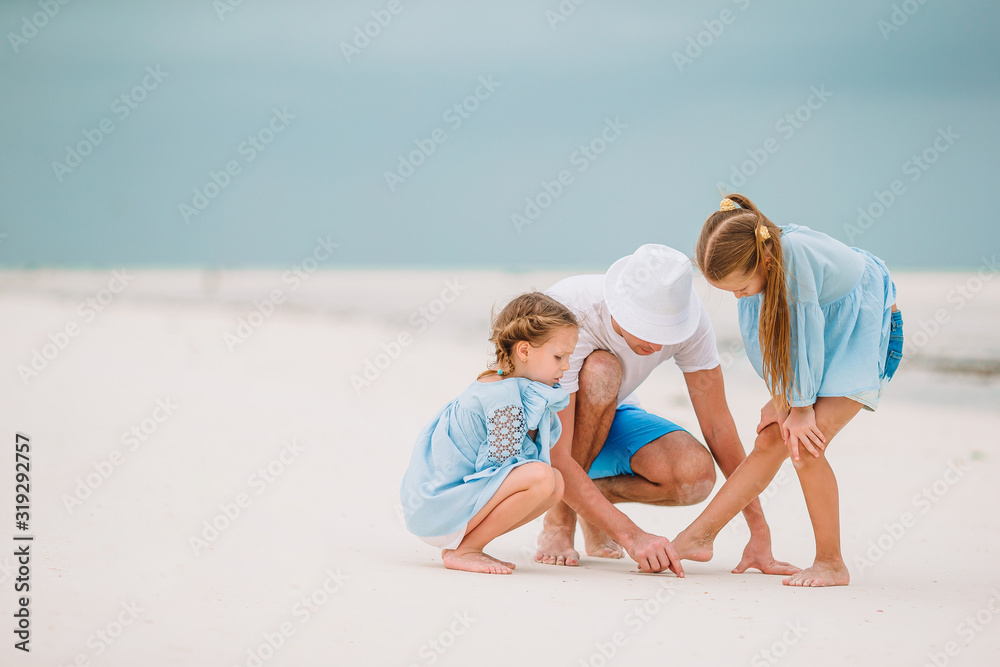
465, 453
840, 303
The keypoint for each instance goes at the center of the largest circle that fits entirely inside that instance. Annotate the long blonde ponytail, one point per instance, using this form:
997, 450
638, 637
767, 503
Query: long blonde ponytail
735, 241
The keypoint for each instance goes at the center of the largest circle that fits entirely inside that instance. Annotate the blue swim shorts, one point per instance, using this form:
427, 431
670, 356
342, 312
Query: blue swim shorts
632, 429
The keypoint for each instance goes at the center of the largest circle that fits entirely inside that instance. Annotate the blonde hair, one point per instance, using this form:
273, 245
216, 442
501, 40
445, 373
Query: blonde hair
533, 317
736, 241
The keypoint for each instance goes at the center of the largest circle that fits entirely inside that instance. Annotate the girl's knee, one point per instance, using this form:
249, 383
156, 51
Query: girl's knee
770, 443
537, 476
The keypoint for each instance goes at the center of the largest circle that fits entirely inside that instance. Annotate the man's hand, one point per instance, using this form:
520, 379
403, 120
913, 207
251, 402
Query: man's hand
654, 553
757, 554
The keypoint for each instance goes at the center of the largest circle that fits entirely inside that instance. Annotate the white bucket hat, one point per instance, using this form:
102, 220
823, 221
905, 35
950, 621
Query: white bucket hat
650, 295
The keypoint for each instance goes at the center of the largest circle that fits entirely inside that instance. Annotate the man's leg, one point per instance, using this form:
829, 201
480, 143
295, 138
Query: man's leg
600, 379
674, 469
651, 460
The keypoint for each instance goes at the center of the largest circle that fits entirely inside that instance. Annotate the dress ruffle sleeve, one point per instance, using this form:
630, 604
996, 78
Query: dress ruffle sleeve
839, 301
807, 352
509, 417
807, 329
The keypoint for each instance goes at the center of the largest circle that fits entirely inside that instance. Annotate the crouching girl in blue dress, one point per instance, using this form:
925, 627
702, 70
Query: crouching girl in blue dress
481, 467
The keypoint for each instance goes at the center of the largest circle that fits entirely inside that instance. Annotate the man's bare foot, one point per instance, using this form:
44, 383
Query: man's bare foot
821, 574
599, 543
555, 546
472, 560
692, 548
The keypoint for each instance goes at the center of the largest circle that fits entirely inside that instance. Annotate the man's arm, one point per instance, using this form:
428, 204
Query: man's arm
652, 552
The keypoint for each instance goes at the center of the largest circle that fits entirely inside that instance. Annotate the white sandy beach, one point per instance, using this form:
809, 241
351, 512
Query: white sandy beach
317, 562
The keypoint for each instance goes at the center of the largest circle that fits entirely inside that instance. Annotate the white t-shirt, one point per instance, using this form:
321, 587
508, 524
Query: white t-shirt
584, 295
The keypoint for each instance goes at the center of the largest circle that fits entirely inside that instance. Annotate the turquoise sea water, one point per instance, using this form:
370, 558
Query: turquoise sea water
518, 135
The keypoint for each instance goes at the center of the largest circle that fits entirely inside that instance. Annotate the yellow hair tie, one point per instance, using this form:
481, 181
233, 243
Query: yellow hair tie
727, 205
763, 233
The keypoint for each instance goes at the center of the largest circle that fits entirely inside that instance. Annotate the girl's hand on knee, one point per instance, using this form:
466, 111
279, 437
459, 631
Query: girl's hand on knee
800, 428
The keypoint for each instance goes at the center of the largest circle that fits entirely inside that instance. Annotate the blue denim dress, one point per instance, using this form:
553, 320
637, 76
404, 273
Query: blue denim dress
465, 453
840, 305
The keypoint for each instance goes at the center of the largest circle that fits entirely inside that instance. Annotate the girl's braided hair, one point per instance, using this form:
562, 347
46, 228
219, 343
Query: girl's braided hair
532, 317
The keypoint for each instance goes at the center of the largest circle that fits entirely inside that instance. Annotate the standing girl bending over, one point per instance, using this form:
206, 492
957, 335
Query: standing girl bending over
820, 326
481, 468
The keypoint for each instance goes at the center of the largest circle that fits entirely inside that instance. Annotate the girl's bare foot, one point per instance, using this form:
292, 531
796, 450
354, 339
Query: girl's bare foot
502, 562
599, 543
473, 560
822, 573
690, 547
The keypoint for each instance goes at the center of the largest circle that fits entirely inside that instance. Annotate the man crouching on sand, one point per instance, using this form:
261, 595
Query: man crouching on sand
643, 312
